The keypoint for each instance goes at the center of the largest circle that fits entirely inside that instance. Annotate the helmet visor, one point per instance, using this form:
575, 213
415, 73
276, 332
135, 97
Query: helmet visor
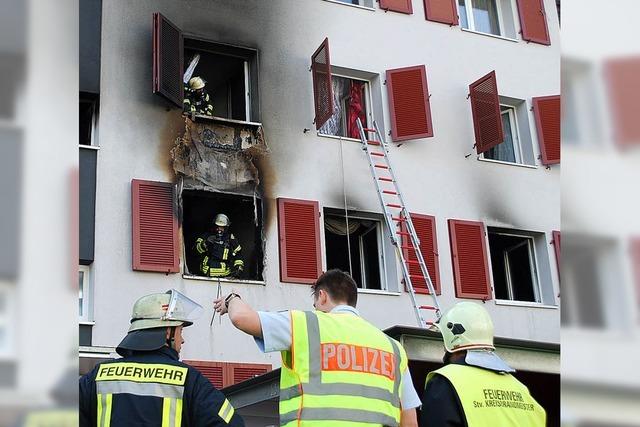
182, 308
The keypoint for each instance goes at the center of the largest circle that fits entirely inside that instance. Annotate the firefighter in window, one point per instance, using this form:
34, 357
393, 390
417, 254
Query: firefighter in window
219, 251
196, 98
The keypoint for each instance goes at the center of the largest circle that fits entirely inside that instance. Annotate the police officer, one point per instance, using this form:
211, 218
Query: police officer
219, 250
336, 366
149, 386
196, 98
475, 387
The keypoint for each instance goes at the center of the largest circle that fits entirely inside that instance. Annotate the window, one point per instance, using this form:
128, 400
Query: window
487, 16
364, 3
360, 253
245, 214
88, 116
509, 150
513, 263
351, 100
84, 294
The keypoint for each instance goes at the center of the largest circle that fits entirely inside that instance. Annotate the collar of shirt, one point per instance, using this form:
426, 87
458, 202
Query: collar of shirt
345, 309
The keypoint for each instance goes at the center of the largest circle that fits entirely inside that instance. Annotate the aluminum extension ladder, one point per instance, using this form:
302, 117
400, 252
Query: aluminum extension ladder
399, 225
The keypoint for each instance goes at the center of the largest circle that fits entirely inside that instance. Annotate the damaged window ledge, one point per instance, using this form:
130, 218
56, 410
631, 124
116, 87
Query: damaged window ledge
197, 117
223, 280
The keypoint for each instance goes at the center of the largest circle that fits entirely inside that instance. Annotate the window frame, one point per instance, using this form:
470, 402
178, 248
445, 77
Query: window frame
359, 6
8, 351
515, 136
533, 264
368, 106
472, 23
87, 295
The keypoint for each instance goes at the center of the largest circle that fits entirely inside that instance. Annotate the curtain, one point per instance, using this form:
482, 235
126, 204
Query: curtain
339, 225
356, 109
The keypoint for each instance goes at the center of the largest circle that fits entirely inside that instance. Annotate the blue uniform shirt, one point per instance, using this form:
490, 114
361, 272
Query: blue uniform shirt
276, 336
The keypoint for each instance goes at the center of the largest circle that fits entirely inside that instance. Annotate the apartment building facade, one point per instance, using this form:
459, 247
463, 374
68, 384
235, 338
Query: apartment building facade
466, 94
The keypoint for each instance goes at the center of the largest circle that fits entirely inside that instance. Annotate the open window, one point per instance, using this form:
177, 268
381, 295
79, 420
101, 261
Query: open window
354, 243
493, 17
230, 73
245, 214
517, 145
351, 100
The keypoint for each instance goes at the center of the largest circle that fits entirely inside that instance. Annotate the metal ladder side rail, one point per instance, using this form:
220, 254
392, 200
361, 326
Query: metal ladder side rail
411, 230
390, 223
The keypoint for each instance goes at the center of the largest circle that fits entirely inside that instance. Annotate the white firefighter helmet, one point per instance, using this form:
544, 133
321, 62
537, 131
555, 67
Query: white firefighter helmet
196, 83
164, 310
222, 220
466, 326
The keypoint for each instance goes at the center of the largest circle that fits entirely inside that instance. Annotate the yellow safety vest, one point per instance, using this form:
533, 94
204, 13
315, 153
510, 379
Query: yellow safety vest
490, 398
341, 371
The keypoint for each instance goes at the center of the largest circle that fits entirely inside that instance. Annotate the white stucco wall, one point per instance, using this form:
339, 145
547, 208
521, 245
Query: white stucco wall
136, 130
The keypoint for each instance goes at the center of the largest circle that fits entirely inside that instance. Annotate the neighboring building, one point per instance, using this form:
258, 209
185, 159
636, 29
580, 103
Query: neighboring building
483, 185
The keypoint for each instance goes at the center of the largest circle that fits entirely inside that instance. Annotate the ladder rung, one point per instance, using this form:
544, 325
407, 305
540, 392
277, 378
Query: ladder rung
392, 205
382, 178
407, 247
404, 233
415, 276
375, 153
428, 307
373, 142
381, 166
399, 219
393, 193
410, 261
369, 130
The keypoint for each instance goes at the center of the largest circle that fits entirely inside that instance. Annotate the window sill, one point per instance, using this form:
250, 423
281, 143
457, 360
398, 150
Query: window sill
509, 39
86, 323
89, 147
217, 119
526, 304
357, 6
339, 138
223, 280
378, 292
500, 162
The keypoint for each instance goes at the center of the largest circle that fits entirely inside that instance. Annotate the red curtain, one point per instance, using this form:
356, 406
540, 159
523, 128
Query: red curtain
356, 109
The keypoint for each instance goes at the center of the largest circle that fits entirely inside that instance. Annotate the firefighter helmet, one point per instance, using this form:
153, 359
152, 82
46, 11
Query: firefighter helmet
222, 220
466, 326
196, 83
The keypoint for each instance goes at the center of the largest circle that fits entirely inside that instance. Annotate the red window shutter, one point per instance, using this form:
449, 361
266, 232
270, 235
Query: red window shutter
546, 110
167, 60
485, 108
556, 244
425, 226
533, 20
470, 260
444, 11
403, 6
213, 371
155, 227
322, 87
623, 93
299, 230
239, 372
409, 103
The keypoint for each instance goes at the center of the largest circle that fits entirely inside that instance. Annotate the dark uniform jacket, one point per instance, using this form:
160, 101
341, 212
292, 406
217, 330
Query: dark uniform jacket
152, 389
220, 255
441, 406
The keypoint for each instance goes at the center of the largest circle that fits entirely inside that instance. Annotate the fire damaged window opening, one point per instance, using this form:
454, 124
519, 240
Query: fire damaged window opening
230, 77
513, 263
351, 99
245, 215
365, 242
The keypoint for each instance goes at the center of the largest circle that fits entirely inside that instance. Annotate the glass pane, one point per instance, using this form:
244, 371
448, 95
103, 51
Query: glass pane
485, 16
462, 11
503, 152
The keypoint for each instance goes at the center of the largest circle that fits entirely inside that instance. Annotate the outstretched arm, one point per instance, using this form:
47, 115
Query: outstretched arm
241, 314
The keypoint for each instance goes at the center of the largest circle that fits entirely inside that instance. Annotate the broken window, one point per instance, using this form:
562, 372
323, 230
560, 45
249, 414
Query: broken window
354, 244
350, 101
514, 268
245, 215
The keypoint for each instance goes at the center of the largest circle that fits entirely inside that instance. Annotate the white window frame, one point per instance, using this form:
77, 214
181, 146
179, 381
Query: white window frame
371, 8
515, 137
7, 321
87, 295
368, 105
382, 266
535, 274
468, 7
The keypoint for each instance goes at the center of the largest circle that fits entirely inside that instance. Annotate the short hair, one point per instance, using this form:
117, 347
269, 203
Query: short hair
339, 285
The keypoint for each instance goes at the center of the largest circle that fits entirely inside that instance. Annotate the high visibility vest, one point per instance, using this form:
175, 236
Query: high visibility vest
490, 398
341, 371
141, 379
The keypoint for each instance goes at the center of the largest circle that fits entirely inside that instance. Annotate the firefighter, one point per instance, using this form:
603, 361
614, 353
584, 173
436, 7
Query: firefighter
219, 250
149, 385
336, 366
475, 387
196, 98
